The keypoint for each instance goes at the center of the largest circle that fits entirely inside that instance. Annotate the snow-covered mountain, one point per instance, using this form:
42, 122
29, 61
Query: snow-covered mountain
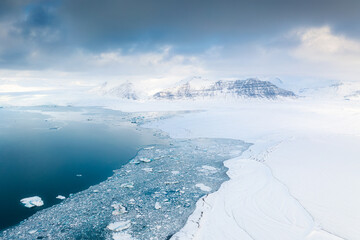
124, 91
198, 89
249, 88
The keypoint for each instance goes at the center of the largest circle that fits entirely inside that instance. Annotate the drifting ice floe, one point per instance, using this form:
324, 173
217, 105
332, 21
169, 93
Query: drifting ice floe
121, 236
203, 187
118, 209
119, 226
157, 205
32, 202
61, 197
145, 160
132, 198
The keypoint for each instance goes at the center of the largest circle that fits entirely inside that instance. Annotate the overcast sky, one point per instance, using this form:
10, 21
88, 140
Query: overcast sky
86, 42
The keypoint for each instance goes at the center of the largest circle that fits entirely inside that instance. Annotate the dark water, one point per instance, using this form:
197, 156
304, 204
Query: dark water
39, 159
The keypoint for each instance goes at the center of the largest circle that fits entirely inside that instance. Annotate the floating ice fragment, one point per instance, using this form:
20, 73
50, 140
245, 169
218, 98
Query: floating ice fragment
145, 160
210, 168
32, 202
118, 209
119, 226
127, 185
78, 175
149, 148
132, 201
147, 169
157, 205
122, 236
203, 187
61, 197
175, 172
32, 231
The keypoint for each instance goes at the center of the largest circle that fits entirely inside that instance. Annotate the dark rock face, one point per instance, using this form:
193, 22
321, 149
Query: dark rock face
249, 88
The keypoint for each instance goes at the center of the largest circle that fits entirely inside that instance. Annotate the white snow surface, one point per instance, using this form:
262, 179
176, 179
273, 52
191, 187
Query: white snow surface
298, 181
32, 202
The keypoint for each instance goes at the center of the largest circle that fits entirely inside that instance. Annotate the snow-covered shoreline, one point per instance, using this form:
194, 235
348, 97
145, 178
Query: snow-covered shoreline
238, 210
323, 186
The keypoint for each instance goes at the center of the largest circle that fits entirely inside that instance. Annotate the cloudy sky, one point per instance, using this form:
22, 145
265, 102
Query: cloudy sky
47, 44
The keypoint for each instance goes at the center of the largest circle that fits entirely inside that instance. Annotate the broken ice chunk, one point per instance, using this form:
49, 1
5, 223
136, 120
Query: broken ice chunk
175, 172
127, 185
32, 231
208, 169
149, 148
122, 236
61, 197
32, 202
157, 205
203, 187
118, 209
145, 160
147, 169
119, 226
78, 175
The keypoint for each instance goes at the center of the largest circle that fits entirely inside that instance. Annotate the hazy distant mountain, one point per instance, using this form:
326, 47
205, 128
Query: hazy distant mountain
249, 88
125, 91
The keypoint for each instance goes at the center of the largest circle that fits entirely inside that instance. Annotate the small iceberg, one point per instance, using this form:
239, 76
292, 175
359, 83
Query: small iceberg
119, 226
157, 205
61, 197
203, 187
32, 202
127, 185
118, 209
147, 169
122, 236
145, 160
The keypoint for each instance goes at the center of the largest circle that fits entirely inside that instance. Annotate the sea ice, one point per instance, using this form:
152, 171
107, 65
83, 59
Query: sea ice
157, 205
203, 187
118, 209
32, 202
147, 169
86, 215
121, 236
145, 160
119, 226
61, 197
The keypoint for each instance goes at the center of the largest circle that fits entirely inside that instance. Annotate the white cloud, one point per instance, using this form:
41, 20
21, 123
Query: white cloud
323, 46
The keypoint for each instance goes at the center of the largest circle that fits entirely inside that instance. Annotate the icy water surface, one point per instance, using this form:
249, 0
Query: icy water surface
63, 153
149, 198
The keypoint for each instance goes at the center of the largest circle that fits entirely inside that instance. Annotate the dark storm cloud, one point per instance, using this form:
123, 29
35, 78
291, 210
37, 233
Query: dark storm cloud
188, 21
59, 27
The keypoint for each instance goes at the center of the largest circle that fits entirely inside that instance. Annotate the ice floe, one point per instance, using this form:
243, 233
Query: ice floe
32, 202
61, 197
157, 205
203, 187
119, 226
